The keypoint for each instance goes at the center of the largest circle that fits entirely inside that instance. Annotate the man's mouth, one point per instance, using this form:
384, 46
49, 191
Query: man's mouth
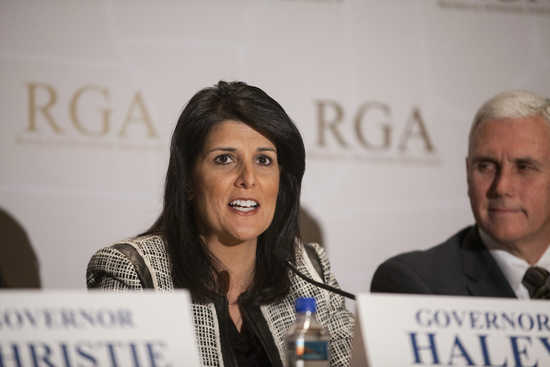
501, 210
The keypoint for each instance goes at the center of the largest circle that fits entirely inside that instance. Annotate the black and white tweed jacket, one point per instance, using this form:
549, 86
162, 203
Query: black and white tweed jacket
111, 269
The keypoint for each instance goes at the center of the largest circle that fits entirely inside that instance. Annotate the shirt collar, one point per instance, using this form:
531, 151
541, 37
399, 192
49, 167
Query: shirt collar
512, 267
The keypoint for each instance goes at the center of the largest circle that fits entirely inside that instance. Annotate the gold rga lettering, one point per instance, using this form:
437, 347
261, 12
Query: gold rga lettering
422, 133
105, 112
373, 128
44, 109
332, 125
385, 127
142, 116
43, 100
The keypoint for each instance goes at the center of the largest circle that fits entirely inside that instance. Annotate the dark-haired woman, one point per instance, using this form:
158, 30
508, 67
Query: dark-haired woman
227, 229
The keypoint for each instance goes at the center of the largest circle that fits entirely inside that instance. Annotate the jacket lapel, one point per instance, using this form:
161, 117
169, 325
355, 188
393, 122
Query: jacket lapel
483, 276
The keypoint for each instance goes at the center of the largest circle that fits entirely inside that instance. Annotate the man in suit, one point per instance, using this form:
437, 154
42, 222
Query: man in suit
506, 253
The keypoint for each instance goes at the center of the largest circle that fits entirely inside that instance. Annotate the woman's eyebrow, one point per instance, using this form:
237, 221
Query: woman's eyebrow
230, 149
225, 149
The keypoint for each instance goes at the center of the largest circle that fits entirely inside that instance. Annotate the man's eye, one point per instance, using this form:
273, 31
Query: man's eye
485, 166
524, 167
223, 159
264, 160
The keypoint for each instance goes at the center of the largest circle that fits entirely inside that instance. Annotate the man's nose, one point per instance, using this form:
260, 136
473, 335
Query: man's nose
503, 182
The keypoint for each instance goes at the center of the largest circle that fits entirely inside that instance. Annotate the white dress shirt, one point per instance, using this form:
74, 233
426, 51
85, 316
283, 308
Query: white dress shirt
513, 267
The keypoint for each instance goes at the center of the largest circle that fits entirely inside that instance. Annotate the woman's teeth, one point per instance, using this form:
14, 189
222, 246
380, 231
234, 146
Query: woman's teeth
243, 205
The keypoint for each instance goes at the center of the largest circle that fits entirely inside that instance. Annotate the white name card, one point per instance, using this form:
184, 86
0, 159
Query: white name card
80, 329
412, 330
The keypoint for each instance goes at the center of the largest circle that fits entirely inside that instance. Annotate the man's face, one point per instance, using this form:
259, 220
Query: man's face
509, 181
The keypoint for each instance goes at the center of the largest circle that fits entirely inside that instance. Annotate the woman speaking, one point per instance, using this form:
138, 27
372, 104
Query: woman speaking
227, 230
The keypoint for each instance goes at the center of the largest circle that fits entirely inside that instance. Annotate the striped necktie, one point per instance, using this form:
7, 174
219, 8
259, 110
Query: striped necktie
537, 282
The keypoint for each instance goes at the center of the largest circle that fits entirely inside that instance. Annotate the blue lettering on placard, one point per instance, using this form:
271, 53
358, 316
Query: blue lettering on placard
11, 320
462, 353
546, 343
68, 319
520, 352
48, 319
65, 354
84, 354
491, 320
30, 317
526, 322
37, 357
16, 319
133, 353
154, 355
15, 357
112, 354
426, 352
442, 319
458, 317
85, 315
421, 321
419, 348
482, 320
485, 353
509, 320
542, 320
80, 350
475, 317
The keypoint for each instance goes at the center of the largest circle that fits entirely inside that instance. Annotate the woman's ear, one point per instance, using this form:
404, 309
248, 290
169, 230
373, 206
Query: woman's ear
189, 193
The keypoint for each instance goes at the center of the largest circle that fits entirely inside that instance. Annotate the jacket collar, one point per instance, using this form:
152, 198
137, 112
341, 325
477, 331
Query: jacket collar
483, 276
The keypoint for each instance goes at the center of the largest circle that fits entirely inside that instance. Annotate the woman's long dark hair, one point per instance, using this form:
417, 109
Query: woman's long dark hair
192, 264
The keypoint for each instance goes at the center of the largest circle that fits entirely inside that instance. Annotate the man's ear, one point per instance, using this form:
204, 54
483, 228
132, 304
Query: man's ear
468, 178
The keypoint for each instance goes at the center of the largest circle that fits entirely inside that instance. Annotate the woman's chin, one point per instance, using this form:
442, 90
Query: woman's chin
240, 237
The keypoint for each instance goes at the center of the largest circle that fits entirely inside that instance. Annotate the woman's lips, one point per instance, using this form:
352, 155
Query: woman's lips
244, 206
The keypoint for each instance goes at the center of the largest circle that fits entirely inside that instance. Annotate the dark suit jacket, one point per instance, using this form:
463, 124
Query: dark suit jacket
460, 266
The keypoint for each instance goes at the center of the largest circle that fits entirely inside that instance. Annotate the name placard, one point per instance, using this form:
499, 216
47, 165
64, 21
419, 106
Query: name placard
98, 328
413, 330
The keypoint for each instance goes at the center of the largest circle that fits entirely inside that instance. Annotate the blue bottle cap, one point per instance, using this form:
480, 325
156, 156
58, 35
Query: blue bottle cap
304, 304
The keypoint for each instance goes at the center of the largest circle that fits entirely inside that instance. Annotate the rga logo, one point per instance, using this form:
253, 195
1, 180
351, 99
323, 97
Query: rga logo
536, 7
370, 133
86, 117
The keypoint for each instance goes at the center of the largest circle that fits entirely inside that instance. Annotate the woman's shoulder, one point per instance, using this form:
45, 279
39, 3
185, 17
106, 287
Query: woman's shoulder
313, 257
310, 247
147, 245
133, 257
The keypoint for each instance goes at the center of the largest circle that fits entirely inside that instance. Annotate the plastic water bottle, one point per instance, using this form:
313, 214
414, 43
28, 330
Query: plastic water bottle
307, 340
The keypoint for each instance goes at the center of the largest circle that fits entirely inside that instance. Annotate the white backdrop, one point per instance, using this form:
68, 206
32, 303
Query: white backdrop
382, 91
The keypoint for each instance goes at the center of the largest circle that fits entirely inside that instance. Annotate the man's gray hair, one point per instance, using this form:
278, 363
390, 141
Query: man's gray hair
512, 104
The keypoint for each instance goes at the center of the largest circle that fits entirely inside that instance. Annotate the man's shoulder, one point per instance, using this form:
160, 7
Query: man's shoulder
439, 254
435, 270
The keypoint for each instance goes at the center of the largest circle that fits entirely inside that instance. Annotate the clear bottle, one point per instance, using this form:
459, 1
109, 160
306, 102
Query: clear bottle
307, 340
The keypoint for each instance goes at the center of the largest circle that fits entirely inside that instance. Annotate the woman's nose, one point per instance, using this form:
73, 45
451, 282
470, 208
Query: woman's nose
247, 177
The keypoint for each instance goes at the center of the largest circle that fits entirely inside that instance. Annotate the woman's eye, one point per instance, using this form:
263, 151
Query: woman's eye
264, 160
223, 159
